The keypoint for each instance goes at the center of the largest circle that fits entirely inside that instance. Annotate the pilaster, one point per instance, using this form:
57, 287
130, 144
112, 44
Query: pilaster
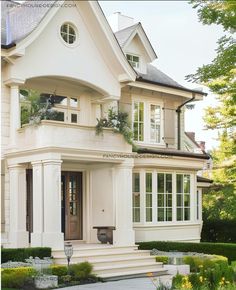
18, 236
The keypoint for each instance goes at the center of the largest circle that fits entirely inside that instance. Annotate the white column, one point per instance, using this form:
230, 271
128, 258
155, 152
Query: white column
37, 234
52, 235
18, 236
124, 233
85, 109
14, 112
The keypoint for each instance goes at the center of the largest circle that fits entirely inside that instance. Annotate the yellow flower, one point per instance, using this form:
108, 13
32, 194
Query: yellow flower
201, 279
200, 266
223, 279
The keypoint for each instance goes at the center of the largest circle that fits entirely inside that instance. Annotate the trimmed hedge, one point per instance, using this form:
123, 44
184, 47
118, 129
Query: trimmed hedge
227, 250
20, 254
221, 231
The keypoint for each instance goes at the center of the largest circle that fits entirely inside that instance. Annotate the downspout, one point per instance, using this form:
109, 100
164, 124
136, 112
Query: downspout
178, 111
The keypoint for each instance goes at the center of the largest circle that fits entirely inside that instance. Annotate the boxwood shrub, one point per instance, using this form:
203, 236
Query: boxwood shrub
20, 254
227, 250
16, 277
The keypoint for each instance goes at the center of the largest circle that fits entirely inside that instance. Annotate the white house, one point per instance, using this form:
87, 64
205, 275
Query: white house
60, 179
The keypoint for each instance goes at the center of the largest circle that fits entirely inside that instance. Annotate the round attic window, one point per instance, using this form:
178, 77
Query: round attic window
68, 33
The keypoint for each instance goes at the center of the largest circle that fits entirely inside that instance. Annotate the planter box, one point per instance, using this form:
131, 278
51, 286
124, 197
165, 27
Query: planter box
174, 269
46, 281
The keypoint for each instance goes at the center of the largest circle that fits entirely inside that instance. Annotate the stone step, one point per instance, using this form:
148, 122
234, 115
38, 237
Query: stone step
85, 250
108, 256
125, 267
122, 260
110, 261
132, 273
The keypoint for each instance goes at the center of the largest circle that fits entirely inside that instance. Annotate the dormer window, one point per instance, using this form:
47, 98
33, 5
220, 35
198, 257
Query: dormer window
133, 60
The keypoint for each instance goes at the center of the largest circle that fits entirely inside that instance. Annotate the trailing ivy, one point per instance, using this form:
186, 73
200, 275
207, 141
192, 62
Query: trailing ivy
34, 108
118, 121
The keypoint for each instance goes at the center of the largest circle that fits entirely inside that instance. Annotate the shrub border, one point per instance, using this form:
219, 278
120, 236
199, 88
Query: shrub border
224, 249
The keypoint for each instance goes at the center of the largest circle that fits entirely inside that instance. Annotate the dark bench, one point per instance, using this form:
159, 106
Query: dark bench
105, 234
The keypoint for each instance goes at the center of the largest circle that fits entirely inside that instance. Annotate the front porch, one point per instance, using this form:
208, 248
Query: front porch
113, 261
56, 197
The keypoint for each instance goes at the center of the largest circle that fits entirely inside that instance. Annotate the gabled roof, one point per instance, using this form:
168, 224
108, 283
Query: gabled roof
22, 19
124, 36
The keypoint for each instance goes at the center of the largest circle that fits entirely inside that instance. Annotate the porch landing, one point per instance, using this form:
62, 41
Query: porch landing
113, 262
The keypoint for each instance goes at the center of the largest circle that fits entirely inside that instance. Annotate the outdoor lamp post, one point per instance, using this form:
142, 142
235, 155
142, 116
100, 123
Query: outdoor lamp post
68, 249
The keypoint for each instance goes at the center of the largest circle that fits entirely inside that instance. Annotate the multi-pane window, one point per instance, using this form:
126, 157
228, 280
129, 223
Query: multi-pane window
133, 60
68, 33
164, 197
67, 108
136, 197
183, 197
148, 197
155, 123
198, 205
138, 121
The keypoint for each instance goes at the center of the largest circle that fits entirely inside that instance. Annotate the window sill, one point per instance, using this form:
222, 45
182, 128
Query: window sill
166, 224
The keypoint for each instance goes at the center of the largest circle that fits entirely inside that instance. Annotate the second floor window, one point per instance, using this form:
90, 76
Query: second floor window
133, 60
155, 123
138, 121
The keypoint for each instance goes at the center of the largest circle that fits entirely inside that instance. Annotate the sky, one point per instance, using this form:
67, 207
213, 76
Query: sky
182, 45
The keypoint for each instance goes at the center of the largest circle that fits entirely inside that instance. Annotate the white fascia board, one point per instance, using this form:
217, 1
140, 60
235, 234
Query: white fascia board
163, 89
145, 41
112, 40
203, 184
19, 49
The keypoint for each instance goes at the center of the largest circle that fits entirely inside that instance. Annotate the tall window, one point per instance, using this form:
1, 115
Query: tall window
198, 205
138, 121
164, 197
148, 197
155, 121
133, 60
136, 197
183, 197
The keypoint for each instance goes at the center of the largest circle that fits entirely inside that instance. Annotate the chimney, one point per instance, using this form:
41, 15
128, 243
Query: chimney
118, 21
202, 145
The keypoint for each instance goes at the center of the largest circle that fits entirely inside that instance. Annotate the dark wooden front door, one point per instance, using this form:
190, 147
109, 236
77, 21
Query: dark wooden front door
71, 205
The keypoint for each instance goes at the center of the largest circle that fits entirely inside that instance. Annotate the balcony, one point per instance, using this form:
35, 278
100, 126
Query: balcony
69, 136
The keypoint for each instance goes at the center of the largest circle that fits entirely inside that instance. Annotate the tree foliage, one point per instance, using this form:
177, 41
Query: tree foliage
220, 77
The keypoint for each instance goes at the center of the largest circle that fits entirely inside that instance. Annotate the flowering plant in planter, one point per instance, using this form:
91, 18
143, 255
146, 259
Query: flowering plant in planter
118, 121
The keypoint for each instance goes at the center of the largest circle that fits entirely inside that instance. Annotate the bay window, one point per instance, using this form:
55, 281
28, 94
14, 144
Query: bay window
164, 197
183, 197
148, 197
136, 197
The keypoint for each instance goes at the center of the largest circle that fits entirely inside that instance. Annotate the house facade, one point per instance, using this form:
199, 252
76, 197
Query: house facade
60, 180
